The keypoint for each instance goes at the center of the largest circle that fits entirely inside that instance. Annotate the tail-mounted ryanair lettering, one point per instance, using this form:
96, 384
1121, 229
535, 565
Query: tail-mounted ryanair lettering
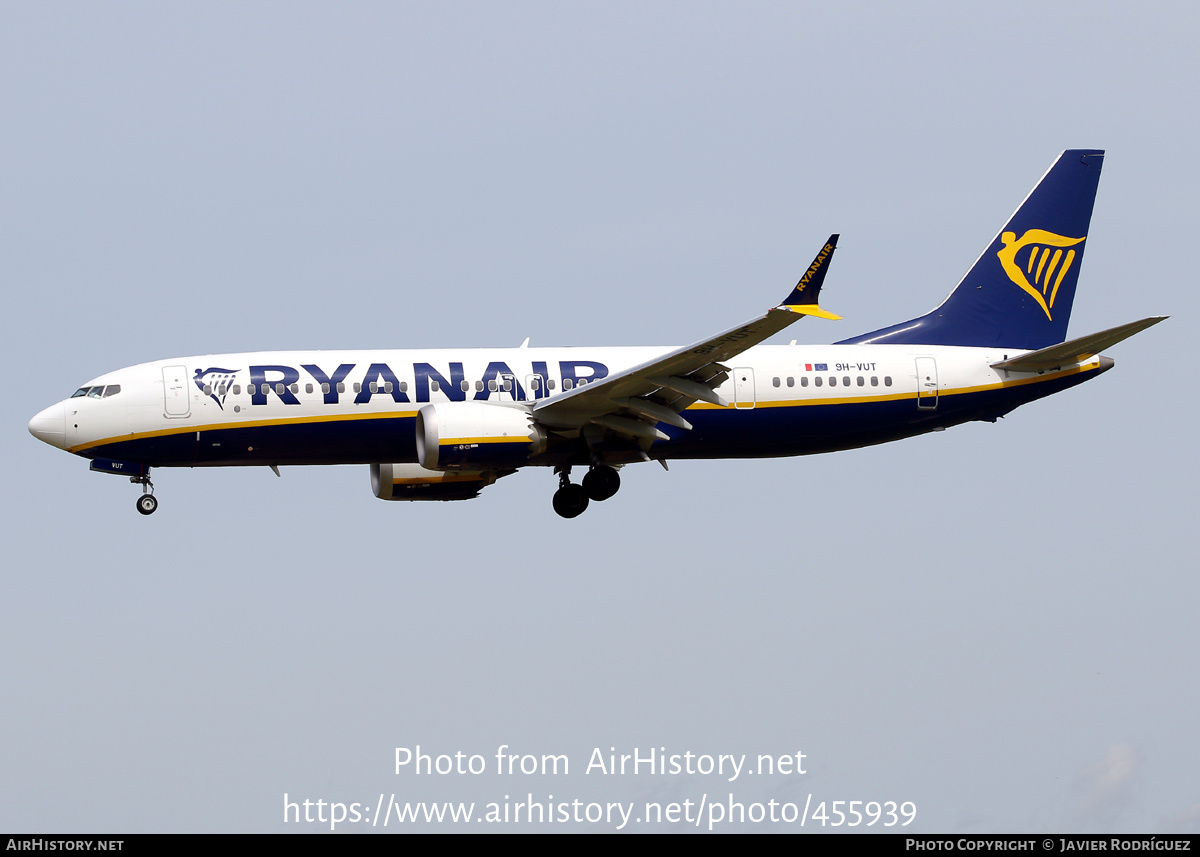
1039, 243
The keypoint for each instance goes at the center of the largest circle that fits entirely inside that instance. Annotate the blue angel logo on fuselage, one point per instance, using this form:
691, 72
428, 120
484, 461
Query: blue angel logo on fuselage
215, 383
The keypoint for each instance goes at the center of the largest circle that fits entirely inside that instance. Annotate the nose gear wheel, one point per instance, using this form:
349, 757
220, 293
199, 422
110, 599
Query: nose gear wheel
147, 503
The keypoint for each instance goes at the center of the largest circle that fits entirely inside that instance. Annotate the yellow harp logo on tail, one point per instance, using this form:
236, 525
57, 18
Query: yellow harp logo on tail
1046, 263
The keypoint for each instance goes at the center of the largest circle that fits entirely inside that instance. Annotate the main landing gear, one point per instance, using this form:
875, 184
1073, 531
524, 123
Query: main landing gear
600, 483
147, 503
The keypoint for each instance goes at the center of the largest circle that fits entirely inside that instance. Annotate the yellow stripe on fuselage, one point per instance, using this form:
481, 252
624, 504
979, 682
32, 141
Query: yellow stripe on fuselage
453, 441
784, 403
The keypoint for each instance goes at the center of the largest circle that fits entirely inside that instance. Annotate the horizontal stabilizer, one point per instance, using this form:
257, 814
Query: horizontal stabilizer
1077, 350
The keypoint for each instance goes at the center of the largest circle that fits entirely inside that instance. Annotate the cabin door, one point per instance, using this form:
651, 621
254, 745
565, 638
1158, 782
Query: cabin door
175, 391
927, 384
743, 387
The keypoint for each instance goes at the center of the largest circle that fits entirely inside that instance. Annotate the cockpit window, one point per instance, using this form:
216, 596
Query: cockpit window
98, 392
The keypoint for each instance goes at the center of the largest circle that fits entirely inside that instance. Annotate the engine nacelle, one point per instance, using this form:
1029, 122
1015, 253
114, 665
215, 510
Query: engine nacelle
414, 482
476, 436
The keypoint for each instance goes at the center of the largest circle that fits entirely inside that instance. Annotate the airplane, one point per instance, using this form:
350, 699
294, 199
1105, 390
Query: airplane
444, 424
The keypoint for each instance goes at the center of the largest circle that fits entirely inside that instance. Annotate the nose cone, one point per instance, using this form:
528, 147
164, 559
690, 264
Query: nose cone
50, 426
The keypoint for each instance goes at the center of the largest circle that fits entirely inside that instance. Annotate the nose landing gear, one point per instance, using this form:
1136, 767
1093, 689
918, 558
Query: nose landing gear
147, 503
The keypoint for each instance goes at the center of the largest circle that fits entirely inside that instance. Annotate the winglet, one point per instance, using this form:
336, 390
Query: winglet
803, 298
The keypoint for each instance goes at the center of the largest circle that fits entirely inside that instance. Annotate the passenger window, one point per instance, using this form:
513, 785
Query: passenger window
295, 389
791, 381
566, 383
775, 382
208, 389
861, 381
237, 389
434, 386
387, 386
279, 388
887, 380
403, 386
374, 387
832, 381
803, 380
308, 388
325, 387
357, 387
478, 386
508, 385
493, 386
464, 385
220, 390
845, 380
341, 388
550, 383
874, 381
817, 380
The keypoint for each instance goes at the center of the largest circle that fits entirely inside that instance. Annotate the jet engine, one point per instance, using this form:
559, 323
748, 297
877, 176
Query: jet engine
476, 436
414, 482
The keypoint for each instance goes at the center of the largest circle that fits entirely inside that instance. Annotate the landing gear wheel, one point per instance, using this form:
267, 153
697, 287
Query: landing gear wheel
146, 504
570, 501
601, 482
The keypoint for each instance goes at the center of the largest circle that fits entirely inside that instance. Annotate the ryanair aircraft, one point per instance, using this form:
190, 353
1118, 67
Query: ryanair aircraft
444, 424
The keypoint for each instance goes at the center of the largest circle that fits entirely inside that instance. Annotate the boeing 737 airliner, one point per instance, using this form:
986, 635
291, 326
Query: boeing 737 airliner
442, 425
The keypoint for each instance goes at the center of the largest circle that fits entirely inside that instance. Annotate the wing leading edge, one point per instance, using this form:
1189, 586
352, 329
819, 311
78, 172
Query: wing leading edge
632, 402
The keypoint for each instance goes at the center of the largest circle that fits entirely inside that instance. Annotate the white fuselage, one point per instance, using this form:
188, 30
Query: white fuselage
209, 409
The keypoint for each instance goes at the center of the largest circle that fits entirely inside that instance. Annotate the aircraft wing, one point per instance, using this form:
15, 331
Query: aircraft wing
632, 402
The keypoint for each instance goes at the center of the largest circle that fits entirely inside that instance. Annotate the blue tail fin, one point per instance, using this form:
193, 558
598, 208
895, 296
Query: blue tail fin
1019, 292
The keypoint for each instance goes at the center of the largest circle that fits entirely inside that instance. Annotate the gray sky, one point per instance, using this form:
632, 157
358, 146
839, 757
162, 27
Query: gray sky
996, 622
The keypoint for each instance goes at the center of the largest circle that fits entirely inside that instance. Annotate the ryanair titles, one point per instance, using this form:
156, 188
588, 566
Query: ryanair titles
498, 380
814, 267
